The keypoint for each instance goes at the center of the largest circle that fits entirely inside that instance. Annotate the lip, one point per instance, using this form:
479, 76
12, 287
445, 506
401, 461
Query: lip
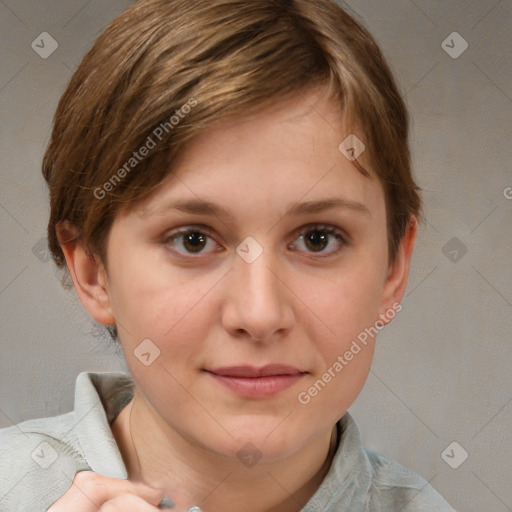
257, 382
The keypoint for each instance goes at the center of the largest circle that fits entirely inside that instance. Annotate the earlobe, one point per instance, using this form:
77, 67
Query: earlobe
88, 275
398, 273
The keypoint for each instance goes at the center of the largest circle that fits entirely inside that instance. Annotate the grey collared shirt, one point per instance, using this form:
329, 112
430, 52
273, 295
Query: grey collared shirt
39, 459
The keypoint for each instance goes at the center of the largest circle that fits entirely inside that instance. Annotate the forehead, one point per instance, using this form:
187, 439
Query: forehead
289, 152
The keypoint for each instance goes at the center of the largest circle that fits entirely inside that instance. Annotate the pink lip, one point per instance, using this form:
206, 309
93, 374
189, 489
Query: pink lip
252, 382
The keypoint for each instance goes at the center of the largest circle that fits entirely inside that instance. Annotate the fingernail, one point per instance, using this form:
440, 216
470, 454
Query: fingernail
166, 503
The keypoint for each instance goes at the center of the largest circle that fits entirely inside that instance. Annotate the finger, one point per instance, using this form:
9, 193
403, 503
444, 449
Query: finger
127, 503
90, 491
105, 488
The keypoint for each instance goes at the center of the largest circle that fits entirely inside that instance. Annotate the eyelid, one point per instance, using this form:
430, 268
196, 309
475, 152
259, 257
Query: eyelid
191, 228
323, 227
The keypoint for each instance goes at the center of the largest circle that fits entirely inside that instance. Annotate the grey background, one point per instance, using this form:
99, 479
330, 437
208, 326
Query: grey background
442, 369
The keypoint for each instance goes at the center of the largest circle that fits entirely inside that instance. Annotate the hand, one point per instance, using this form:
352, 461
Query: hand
91, 492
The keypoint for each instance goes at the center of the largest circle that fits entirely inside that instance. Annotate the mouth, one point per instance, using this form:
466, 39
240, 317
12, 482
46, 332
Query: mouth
257, 382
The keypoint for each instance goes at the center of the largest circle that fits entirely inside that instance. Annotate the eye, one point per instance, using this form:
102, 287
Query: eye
191, 240
322, 240
319, 239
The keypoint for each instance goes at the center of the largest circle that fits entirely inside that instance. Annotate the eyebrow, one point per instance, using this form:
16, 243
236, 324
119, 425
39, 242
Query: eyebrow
328, 204
202, 207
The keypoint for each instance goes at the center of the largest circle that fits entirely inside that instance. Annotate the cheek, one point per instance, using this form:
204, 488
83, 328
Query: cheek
349, 306
177, 323
163, 306
343, 358
343, 306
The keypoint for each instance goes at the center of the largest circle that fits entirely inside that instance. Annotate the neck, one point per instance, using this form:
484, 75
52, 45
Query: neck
192, 475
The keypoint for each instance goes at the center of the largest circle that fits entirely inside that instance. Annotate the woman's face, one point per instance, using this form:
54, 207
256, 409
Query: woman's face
247, 276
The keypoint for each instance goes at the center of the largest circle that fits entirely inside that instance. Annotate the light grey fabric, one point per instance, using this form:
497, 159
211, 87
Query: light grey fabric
39, 459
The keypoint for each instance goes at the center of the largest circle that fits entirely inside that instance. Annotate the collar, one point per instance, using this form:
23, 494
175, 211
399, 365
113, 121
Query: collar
99, 397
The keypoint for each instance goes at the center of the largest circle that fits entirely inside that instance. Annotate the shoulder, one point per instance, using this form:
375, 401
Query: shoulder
394, 487
39, 458
362, 480
38, 461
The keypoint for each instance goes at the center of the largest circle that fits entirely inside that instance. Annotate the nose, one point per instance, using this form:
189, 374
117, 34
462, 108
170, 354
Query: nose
258, 304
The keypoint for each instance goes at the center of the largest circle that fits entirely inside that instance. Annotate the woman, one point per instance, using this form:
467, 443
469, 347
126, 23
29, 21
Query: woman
231, 193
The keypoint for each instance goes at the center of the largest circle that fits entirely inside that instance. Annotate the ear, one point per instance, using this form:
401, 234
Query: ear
88, 274
398, 273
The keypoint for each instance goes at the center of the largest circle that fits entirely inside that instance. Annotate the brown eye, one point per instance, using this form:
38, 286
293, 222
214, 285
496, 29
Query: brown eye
324, 241
190, 241
194, 242
316, 241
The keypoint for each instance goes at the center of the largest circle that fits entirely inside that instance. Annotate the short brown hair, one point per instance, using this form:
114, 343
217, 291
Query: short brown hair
208, 59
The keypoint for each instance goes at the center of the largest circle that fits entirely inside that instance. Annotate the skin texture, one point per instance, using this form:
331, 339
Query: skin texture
296, 304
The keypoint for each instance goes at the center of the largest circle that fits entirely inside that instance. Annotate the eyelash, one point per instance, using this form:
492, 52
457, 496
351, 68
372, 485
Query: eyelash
328, 230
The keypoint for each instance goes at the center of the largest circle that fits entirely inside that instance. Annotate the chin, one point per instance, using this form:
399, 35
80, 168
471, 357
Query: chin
264, 439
